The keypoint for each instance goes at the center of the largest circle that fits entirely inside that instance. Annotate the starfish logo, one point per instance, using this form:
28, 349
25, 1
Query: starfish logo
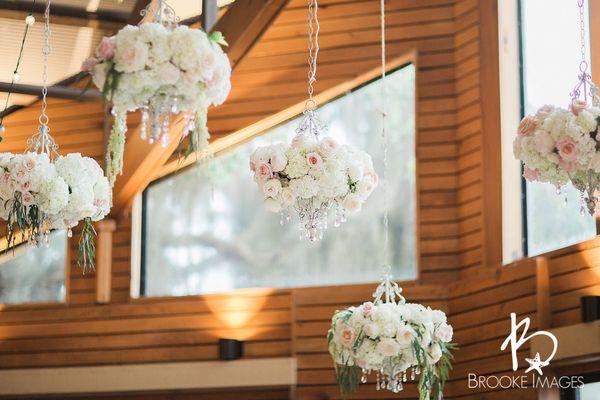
517, 341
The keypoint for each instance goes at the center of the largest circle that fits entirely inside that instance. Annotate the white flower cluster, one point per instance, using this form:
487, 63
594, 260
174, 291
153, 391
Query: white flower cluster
65, 191
318, 171
151, 64
558, 145
375, 336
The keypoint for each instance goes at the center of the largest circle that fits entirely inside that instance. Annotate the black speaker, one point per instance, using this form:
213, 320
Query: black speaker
590, 308
230, 349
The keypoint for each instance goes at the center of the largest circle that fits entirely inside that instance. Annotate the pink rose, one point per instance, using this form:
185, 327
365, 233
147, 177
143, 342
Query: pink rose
567, 149
368, 308
19, 173
527, 126
29, 163
99, 203
314, 160
169, 74
568, 166
405, 335
531, 174
388, 347
346, 337
577, 106
543, 142
89, 64
25, 186
328, 146
264, 171
106, 49
133, 58
26, 199
444, 333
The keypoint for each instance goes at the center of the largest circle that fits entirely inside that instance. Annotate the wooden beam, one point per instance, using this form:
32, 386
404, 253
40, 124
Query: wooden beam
140, 161
61, 92
491, 140
294, 110
105, 229
544, 312
244, 24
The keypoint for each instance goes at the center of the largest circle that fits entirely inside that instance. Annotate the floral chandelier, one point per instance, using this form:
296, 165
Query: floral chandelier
394, 340
162, 69
41, 190
314, 175
559, 146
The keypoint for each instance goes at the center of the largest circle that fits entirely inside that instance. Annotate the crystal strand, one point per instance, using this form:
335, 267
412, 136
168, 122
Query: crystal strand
144, 127
565, 201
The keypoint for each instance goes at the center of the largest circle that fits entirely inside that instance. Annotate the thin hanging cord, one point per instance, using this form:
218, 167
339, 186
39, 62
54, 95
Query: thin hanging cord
386, 231
19, 58
313, 50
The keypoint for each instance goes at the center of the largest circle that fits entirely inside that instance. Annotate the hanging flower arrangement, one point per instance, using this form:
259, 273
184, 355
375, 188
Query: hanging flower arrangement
561, 145
315, 176
41, 190
160, 68
397, 342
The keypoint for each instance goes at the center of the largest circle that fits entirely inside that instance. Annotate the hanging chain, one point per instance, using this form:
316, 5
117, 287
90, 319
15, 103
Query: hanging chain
42, 141
386, 231
585, 86
388, 291
313, 51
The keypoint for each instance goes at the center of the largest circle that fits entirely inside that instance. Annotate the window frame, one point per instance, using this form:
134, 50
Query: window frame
139, 209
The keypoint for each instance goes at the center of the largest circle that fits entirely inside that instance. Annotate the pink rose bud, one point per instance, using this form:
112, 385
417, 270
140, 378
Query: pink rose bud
89, 64
531, 174
527, 126
106, 49
577, 106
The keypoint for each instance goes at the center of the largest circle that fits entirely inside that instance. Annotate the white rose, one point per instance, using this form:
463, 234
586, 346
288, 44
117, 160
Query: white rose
371, 330
352, 202
271, 188
168, 73
272, 205
131, 58
278, 161
405, 335
388, 347
595, 162
287, 197
355, 172
434, 353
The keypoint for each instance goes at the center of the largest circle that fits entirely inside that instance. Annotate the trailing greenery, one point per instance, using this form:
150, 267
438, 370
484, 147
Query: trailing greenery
87, 247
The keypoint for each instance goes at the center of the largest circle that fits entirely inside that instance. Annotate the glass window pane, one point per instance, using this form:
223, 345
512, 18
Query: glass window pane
590, 391
550, 67
212, 234
35, 274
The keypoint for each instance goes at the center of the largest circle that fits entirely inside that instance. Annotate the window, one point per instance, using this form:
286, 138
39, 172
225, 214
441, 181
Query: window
206, 230
34, 274
589, 391
550, 54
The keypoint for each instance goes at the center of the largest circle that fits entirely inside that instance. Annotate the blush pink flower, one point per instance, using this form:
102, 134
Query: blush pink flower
577, 106
89, 64
314, 160
444, 333
106, 49
26, 198
527, 126
568, 166
346, 337
264, 171
567, 149
25, 186
531, 174
368, 308
328, 146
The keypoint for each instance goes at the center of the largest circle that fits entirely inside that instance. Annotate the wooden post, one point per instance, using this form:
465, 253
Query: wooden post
209, 14
544, 313
105, 230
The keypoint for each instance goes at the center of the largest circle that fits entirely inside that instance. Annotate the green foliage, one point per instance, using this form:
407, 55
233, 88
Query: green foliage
218, 37
87, 247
